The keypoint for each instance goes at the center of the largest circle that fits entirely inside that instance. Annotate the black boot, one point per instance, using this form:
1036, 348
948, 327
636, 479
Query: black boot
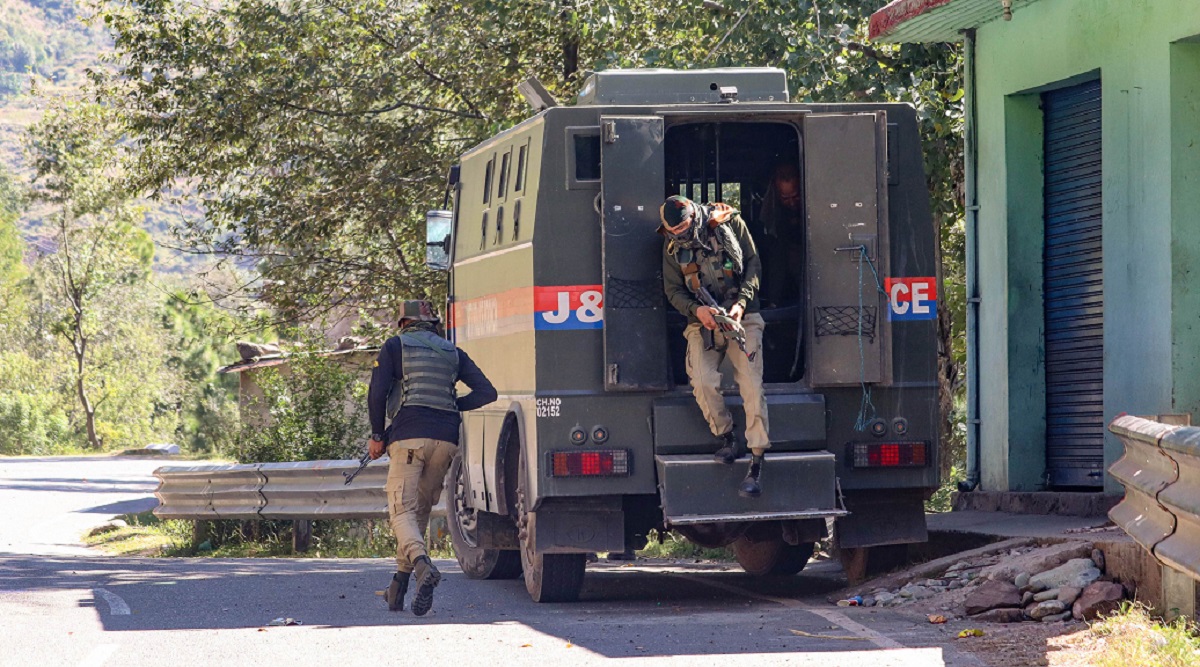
728, 453
750, 487
428, 578
396, 591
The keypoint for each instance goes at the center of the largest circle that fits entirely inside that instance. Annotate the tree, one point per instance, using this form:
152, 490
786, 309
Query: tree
319, 132
99, 250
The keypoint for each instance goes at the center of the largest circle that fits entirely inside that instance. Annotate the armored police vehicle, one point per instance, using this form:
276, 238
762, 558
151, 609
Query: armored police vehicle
555, 289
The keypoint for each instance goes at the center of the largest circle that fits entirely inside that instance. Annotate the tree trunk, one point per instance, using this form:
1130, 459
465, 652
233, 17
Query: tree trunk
947, 371
89, 410
570, 42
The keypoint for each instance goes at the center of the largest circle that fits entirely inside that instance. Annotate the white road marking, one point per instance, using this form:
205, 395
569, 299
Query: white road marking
116, 606
99, 655
830, 615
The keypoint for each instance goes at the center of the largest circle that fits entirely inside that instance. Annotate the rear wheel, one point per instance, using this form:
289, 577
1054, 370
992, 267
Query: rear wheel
771, 556
548, 577
476, 561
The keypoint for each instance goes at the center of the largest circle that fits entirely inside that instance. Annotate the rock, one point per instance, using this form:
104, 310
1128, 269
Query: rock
1039, 560
1077, 573
970, 574
1047, 608
1098, 559
1055, 618
916, 592
1026, 598
957, 566
884, 598
1098, 599
930, 583
1021, 580
1000, 616
992, 595
868, 601
163, 448
956, 584
1051, 594
1067, 594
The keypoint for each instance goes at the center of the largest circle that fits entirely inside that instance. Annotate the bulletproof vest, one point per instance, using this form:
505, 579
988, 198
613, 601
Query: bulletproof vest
711, 269
430, 373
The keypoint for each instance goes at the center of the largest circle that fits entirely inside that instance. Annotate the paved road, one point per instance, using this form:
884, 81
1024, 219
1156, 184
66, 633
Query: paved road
61, 604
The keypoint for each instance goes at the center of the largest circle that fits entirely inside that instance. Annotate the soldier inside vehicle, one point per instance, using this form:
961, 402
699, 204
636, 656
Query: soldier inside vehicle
754, 167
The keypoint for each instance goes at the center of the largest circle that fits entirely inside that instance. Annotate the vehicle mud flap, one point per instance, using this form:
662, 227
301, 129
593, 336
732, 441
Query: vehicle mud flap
880, 518
562, 531
796, 485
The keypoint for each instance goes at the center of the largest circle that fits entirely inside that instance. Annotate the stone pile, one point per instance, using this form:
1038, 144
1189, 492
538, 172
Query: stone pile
1073, 589
1047, 584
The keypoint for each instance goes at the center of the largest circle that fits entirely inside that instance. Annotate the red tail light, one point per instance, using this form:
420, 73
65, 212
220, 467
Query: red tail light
889, 455
602, 463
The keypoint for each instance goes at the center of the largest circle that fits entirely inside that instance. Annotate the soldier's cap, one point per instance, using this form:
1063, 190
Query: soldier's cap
417, 309
675, 210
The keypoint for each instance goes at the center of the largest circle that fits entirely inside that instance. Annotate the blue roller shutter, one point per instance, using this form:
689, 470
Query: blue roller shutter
1073, 287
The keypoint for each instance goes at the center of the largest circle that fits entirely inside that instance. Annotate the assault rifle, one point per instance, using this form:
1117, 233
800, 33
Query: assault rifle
362, 463
730, 327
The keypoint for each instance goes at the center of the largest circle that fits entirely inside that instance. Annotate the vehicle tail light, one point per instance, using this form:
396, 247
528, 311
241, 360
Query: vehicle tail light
889, 455
601, 463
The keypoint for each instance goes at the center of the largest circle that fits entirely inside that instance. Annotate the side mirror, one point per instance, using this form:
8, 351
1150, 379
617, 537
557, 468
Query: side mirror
438, 227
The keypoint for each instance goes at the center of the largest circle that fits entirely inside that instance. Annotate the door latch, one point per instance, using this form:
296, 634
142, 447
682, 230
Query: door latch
609, 132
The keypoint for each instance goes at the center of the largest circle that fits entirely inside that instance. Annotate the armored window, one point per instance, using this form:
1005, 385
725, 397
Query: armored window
517, 215
499, 226
487, 180
483, 231
587, 157
502, 187
519, 184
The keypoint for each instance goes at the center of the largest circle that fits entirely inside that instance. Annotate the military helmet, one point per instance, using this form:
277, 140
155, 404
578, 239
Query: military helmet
419, 310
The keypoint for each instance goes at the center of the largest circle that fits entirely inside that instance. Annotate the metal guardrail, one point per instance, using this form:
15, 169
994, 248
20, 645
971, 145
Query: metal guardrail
1161, 474
298, 491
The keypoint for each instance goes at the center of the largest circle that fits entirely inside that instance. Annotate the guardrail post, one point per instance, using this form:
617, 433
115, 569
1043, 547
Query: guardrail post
301, 535
199, 533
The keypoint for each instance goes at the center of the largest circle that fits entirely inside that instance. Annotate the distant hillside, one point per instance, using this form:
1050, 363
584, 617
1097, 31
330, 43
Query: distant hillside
46, 40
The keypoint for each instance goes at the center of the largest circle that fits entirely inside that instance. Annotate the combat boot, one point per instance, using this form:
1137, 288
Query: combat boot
396, 591
728, 452
428, 578
750, 487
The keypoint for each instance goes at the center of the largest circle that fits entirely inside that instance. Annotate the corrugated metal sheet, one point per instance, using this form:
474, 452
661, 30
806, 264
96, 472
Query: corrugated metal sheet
1073, 287
903, 21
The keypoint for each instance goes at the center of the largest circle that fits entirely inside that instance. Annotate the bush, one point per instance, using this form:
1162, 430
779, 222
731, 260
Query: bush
30, 424
312, 409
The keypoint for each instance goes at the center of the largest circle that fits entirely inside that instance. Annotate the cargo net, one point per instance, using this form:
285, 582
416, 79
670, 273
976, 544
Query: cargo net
620, 293
846, 321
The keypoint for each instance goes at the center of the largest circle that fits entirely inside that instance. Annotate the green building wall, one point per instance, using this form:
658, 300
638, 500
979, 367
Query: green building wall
1144, 53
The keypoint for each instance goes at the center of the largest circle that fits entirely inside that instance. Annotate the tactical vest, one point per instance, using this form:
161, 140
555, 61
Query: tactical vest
430, 373
711, 268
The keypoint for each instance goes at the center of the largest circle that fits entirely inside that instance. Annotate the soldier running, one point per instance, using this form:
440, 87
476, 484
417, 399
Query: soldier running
413, 384
709, 256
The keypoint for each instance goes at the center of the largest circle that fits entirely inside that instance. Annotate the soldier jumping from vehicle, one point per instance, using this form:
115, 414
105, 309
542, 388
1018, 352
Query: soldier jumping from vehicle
413, 384
709, 257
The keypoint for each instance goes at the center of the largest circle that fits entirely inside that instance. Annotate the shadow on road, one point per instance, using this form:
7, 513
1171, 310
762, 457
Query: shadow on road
624, 611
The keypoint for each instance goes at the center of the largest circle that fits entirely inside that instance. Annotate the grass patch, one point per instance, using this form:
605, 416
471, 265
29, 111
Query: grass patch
1131, 636
146, 535
674, 545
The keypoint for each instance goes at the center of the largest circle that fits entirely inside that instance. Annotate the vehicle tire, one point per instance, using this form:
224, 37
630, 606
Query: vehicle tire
772, 557
476, 562
548, 577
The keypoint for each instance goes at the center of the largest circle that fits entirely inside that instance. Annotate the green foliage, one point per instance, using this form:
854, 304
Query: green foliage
674, 545
313, 409
31, 424
1132, 636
